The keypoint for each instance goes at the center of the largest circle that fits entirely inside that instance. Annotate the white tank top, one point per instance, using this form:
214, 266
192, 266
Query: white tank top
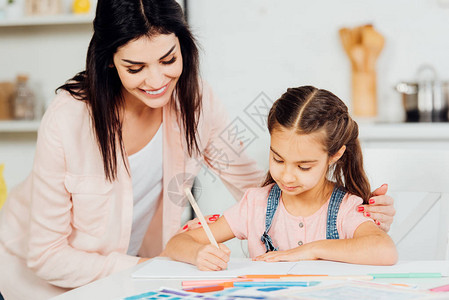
146, 174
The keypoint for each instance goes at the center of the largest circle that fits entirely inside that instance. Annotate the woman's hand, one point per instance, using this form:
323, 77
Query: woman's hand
303, 252
210, 258
195, 223
380, 208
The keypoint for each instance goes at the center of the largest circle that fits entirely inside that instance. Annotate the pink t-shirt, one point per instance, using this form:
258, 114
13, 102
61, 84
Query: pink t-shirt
247, 221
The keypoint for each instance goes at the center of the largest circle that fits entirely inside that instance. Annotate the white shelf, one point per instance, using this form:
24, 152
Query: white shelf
19, 126
48, 20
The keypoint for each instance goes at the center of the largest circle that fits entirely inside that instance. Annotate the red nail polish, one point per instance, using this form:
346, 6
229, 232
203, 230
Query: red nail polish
213, 219
371, 201
377, 222
185, 227
199, 223
360, 208
367, 214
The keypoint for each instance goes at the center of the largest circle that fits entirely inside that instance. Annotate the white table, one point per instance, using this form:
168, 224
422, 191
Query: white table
122, 285
118, 286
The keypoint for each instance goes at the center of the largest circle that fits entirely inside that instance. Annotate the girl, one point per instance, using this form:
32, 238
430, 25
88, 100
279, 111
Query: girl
307, 207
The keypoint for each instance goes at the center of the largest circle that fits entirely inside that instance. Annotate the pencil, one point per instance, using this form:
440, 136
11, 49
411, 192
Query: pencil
205, 289
225, 282
443, 288
276, 276
201, 217
274, 283
327, 277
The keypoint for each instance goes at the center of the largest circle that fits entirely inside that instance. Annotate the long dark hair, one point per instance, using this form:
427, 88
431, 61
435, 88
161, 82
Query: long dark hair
116, 23
308, 109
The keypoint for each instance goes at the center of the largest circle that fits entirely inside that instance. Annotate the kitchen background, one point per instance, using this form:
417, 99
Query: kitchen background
252, 50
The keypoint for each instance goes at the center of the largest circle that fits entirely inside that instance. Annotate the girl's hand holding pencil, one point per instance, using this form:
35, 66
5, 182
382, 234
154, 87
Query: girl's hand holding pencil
211, 258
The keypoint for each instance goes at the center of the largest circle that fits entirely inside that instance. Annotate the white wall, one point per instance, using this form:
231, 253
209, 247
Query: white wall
49, 54
17, 153
262, 45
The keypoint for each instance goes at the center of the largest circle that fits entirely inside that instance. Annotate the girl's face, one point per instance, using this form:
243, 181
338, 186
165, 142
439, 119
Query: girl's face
298, 163
149, 69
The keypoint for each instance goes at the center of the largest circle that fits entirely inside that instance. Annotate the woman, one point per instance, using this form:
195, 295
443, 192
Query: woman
112, 145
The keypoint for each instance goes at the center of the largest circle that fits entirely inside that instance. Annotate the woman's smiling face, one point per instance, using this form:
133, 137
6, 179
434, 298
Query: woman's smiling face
149, 69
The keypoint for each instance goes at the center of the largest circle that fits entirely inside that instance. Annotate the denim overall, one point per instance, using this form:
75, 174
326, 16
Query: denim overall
332, 212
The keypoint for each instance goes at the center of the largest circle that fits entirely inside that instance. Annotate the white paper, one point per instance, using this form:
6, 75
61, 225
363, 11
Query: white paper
166, 268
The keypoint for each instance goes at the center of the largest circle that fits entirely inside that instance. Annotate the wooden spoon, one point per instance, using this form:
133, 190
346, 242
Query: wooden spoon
358, 58
373, 42
346, 39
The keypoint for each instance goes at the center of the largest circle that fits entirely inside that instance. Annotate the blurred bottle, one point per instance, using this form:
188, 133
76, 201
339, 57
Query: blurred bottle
42, 7
81, 6
23, 100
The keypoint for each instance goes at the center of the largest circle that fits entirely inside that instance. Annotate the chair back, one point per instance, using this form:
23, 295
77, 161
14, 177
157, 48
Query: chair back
418, 180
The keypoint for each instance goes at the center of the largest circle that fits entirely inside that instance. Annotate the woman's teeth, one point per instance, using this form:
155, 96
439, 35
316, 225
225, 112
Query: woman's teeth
161, 90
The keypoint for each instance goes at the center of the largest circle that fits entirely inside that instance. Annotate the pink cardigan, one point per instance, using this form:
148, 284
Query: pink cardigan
66, 226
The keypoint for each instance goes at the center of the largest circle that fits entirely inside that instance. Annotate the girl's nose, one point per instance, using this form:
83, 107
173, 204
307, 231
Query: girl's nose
288, 176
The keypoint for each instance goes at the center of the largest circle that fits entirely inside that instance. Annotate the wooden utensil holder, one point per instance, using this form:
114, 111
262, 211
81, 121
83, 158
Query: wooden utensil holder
364, 98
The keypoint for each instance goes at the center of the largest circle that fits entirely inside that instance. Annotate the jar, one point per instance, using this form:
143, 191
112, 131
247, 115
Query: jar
23, 100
